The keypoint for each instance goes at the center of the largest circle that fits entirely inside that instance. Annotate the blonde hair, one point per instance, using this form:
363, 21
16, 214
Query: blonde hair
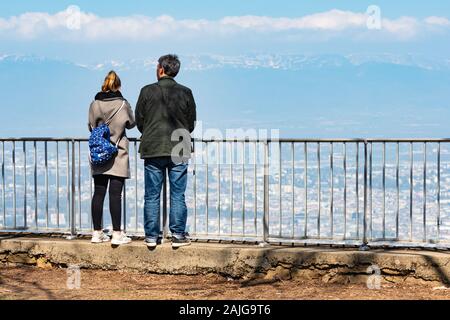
112, 82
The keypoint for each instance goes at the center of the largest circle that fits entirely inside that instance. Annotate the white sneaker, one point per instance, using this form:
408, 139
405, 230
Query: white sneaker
119, 237
99, 237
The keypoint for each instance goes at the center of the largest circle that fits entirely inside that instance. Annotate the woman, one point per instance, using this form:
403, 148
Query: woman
110, 103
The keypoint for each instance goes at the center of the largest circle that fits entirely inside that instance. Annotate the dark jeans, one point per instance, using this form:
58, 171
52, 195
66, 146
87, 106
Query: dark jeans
115, 200
155, 169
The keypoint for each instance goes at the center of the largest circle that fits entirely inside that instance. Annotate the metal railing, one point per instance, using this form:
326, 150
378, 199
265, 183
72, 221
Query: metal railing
388, 192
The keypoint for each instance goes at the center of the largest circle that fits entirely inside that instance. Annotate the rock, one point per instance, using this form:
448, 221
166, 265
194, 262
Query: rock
280, 273
43, 263
21, 258
306, 274
392, 272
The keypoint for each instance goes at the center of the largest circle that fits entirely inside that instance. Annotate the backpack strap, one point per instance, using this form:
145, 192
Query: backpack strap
108, 121
118, 141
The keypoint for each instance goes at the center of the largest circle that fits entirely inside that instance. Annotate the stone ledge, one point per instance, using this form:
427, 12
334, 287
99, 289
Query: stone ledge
233, 260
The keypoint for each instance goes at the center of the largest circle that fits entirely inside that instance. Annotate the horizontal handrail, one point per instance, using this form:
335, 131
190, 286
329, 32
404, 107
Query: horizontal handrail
286, 140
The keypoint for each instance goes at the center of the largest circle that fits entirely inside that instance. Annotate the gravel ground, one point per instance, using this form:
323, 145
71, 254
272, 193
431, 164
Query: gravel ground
35, 283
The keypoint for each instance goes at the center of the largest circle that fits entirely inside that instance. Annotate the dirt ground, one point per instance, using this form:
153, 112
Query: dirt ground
34, 283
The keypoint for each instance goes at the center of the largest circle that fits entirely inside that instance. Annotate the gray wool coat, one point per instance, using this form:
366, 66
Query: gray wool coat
99, 112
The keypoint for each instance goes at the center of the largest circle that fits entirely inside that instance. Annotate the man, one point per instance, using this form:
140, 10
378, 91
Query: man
165, 115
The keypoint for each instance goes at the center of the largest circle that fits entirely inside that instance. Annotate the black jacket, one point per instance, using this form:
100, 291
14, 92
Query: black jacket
162, 108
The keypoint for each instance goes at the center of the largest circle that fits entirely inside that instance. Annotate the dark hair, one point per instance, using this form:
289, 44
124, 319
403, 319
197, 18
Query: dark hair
170, 64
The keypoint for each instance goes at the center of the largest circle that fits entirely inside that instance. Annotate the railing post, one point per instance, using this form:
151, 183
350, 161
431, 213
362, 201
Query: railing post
25, 185
165, 226
266, 195
364, 246
72, 198
124, 206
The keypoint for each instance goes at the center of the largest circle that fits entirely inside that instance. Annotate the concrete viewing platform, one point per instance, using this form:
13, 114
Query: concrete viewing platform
240, 261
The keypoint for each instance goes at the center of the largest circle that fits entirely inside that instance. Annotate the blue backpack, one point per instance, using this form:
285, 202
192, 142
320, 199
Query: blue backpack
101, 150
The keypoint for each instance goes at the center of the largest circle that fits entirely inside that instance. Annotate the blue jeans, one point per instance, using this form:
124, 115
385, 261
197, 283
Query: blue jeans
155, 169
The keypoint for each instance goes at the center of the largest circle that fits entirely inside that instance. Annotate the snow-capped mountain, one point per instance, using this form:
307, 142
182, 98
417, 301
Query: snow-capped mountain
254, 61
282, 62
301, 94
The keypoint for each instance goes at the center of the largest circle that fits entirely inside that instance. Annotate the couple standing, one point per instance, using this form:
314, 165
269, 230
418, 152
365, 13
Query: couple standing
165, 115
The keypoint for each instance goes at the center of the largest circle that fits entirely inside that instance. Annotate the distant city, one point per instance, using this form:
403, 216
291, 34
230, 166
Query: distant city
233, 205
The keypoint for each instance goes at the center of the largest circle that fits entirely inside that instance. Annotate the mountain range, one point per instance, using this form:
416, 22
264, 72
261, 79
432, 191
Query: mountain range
303, 95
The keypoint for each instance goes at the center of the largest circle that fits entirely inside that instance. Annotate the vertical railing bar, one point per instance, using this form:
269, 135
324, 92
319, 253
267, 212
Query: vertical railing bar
124, 190
357, 190
397, 184
305, 174
195, 187
91, 192
231, 187
166, 230
165, 219
345, 190
384, 190
14, 184
35, 185
46, 182
411, 185
318, 190
365, 241
57, 184
3, 184
219, 150
68, 183
79, 183
331, 189
25, 184
73, 191
166, 194
136, 219
279, 190
293, 189
256, 189
266, 192
424, 191
207, 188
243, 188
439, 191
371, 189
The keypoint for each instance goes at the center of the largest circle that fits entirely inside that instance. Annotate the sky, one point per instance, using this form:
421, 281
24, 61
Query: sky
148, 27
266, 41
205, 9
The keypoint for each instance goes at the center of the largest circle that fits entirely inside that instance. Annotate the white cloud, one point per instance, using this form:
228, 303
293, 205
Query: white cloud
439, 21
404, 27
92, 27
330, 20
35, 25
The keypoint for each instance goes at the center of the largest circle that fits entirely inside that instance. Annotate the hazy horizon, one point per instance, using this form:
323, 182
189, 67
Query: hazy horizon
348, 69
